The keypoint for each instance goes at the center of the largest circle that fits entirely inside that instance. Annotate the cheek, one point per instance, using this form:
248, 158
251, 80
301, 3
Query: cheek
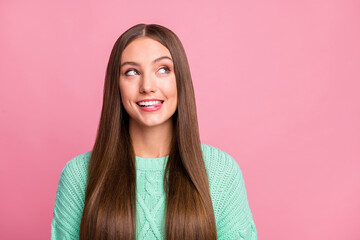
171, 90
174, 93
171, 95
126, 91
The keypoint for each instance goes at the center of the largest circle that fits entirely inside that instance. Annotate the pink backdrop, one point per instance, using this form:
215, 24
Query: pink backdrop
277, 87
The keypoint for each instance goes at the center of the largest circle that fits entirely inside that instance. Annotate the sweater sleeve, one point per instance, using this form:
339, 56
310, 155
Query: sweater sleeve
235, 218
69, 202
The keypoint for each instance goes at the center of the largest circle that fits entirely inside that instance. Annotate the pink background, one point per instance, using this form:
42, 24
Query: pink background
277, 87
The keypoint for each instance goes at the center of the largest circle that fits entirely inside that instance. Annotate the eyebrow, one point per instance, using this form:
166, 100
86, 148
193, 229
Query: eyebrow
136, 64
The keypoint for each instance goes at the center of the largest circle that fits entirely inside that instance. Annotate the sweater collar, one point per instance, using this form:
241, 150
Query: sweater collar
151, 163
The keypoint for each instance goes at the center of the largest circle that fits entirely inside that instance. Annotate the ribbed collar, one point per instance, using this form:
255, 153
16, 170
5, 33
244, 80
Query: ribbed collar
151, 163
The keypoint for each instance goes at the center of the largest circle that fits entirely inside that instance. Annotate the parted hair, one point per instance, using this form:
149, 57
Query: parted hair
110, 198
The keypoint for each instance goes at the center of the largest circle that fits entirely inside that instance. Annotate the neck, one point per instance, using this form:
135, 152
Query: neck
151, 142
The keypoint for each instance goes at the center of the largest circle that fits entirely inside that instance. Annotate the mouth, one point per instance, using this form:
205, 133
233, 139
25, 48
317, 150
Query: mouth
150, 104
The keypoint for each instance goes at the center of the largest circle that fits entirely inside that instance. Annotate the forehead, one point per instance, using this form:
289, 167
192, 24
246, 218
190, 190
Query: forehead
144, 48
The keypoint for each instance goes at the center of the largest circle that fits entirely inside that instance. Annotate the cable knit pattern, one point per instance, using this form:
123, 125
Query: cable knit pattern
227, 188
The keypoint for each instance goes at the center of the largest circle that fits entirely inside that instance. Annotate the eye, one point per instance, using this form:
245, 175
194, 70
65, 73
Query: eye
131, 72
164, 70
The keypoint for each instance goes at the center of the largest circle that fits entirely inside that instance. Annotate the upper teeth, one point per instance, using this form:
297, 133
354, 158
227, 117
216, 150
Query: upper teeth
148, 103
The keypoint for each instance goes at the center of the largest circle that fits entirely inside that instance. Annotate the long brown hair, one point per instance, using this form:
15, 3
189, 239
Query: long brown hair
110, 208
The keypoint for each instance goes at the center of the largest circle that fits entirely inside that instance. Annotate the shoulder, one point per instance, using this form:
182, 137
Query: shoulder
74, 174
218, 161
222, 170
70, 197
73, 180
224, 174
80, 161
228, 194
77, 167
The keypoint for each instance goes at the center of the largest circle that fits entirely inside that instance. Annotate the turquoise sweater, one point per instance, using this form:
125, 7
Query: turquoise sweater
228, 194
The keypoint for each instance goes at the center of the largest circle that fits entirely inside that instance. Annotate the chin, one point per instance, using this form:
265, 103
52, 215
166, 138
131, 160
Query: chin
153, 122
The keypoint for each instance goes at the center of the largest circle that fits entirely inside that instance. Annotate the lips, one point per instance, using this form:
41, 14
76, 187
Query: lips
150, 105
148, 102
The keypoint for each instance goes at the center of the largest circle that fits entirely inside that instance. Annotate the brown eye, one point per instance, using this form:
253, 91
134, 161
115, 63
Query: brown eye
131, 72
164, 70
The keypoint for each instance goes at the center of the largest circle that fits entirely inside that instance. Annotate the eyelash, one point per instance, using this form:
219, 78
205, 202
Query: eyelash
167, 70
130, 71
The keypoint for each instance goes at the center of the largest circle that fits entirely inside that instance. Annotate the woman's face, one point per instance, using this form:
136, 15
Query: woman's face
147, 83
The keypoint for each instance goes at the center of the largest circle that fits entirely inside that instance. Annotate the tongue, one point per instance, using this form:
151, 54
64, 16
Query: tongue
154, 105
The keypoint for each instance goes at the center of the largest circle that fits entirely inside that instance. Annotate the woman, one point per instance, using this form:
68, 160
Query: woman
148, 176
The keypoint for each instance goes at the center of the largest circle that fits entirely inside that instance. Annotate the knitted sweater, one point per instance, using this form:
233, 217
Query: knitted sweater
228, 194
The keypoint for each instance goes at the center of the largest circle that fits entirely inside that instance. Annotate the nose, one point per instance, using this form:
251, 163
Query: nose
147, 83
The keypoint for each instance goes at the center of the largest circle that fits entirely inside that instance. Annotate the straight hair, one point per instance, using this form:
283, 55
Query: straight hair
110, 198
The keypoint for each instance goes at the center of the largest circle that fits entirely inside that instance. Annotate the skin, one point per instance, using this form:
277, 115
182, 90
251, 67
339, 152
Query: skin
143, 78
